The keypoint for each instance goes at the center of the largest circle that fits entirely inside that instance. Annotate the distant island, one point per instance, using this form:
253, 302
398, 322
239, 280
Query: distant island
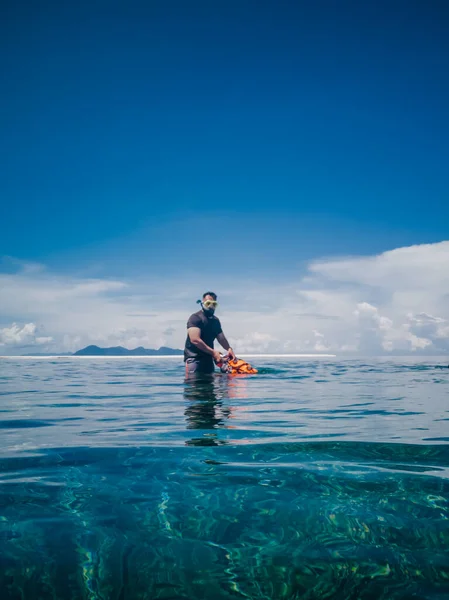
120, 351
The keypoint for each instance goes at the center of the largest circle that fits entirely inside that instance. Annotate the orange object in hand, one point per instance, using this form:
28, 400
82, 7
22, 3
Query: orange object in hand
240, 367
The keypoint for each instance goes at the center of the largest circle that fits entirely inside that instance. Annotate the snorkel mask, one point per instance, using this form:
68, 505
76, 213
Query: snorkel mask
208, 306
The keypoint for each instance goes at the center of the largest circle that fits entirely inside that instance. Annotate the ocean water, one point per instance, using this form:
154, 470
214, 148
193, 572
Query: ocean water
312, 479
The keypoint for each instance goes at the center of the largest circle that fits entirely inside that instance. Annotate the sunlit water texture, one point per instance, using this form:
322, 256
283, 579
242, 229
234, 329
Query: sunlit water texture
313, 479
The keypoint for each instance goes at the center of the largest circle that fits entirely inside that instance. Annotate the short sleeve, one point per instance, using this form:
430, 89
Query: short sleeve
194, 321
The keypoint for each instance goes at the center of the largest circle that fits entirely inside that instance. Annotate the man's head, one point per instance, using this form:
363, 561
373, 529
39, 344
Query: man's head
209, 303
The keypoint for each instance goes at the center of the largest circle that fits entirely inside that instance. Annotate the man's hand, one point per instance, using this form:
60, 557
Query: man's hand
224, 342
231, 354
217, 356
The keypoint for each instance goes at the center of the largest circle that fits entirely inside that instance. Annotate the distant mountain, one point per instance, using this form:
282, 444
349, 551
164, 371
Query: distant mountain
120, 351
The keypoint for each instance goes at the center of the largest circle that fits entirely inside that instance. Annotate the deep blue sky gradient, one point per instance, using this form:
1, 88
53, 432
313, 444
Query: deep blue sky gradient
145, 125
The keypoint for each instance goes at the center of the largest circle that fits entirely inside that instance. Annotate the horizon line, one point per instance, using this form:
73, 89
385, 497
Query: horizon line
86, 356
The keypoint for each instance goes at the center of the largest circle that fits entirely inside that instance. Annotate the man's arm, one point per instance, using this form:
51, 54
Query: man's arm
221, 338
194, 334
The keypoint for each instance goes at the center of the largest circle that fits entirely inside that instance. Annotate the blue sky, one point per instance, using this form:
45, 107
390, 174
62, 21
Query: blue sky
175, 138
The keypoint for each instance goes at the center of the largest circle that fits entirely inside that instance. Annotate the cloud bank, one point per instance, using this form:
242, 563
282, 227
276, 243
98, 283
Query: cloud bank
395, 302
22, 336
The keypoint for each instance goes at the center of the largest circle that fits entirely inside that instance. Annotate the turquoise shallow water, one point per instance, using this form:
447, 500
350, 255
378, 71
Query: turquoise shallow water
313, 479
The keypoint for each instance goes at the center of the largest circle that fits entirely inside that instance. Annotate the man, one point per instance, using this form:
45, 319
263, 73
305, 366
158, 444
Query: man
203, 328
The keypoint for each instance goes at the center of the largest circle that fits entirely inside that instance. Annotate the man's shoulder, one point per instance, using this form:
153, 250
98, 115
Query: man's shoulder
199, 315
195, 319
216, 324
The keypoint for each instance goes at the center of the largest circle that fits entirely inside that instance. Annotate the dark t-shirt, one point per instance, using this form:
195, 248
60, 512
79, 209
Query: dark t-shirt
210, 328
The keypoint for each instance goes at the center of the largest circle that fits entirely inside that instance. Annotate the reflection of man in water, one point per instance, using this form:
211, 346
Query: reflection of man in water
205, 409
208, 409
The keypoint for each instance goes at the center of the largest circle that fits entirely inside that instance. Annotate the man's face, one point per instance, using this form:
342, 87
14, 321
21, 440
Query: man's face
209, 304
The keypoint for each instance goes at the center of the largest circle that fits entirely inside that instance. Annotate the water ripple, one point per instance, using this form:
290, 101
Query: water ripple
317, 479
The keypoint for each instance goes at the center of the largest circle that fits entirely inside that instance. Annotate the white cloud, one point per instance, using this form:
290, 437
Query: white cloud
373, 329
426, 330
320, 342
22, 336
397, 301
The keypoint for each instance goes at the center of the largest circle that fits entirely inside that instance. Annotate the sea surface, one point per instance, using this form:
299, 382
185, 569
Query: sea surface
313, 479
